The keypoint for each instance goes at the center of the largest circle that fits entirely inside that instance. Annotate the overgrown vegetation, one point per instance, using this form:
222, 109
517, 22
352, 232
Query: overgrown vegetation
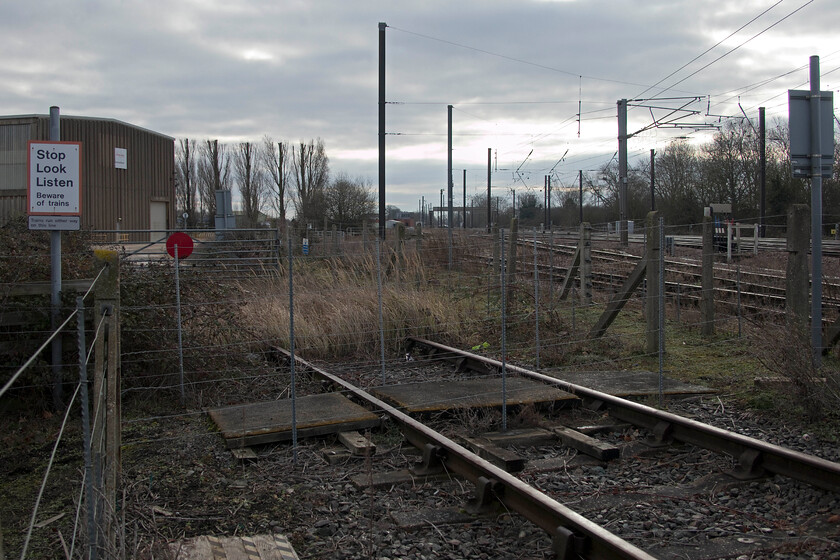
230, 322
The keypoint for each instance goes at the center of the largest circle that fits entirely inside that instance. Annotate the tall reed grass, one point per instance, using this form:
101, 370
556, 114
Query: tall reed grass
336, 305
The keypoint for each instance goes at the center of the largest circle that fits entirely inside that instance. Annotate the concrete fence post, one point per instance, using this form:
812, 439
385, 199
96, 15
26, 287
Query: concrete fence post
512, 263
797, 282
652, 300
585, 264
707, 279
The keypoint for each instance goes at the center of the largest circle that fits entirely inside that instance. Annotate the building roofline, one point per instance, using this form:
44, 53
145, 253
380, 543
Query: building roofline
104, 119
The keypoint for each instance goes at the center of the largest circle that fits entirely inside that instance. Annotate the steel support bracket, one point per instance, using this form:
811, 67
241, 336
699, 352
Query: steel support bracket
749, 466
566, 544
432, 462
487, 493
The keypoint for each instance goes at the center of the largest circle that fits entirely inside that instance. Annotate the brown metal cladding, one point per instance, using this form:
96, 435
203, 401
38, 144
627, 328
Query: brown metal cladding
110, 196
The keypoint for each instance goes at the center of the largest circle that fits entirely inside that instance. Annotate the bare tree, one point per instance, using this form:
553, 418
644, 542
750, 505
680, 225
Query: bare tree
187, 183
276, 159
678, 184
249, 176
349, 201
310, 166
731, 170
213, 174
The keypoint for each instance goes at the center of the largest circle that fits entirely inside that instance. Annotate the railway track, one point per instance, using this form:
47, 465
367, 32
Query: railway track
585, 509
757, 290
831, 247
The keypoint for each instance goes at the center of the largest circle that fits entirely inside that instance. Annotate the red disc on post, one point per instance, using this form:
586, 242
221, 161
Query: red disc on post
184, 243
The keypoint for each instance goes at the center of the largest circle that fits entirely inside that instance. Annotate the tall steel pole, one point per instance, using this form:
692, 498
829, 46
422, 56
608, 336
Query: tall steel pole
762, 148
816, 214
545, 201
580, 195
440, 213
382, 26
652, 180
549, 202
489, 210
464, 221
622, 170
449, 214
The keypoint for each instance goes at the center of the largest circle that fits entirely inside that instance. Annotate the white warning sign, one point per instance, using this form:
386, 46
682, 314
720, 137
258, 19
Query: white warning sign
55, 181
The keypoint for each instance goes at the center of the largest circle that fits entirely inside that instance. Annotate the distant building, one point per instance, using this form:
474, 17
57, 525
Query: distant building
127, 172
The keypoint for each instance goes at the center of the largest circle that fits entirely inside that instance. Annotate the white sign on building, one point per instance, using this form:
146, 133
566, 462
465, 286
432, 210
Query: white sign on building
55, 179
120, 158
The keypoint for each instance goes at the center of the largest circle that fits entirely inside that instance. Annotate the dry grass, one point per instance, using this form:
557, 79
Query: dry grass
785, 351
336, 306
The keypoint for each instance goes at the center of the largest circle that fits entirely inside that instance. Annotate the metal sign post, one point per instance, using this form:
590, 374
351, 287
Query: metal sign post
179, 245
54, 200
812, 155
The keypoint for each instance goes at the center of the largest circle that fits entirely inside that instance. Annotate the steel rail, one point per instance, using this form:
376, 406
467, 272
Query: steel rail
573, 535
754, 456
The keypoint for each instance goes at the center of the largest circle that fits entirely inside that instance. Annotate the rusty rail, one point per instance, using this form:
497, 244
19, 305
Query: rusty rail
573, 535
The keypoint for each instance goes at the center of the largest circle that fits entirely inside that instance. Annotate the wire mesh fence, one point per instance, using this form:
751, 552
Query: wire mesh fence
530, 297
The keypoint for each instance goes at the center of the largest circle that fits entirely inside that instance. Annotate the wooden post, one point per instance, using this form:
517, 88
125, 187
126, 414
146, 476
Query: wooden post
652, 301
585, 264
797, 278
107, 414
707, 279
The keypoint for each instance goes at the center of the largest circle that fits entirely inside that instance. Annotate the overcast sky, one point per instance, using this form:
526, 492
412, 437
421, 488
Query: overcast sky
516, 72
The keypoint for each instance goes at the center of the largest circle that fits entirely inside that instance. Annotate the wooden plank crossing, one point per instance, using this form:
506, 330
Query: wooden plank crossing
259, 547
460, 393
635, 383
271, 421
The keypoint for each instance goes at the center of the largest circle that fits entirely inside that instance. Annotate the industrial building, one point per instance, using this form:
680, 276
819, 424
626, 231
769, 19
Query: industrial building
127, 172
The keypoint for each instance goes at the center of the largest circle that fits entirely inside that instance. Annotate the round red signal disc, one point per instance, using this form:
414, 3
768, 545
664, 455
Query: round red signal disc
184, 243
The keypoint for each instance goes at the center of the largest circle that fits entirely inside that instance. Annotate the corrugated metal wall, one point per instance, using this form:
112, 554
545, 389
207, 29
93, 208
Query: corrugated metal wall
109, 195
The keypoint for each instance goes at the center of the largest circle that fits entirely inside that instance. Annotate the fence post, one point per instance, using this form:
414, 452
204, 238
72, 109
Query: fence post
707, 279
108, 415
399, 257
364, 236
278, 243
536, 303
652, 300
661, 315
512, 261
551, 268
85, 404
503, 308
585, 266
797, 287
292, 378
418, 242
379, 302
729, 242
496, 241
